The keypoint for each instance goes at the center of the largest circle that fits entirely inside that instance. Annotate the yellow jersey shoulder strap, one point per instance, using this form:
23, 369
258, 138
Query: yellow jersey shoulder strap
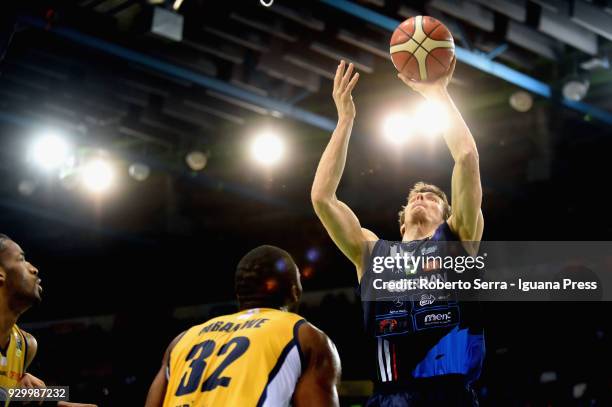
296, 321
21, 345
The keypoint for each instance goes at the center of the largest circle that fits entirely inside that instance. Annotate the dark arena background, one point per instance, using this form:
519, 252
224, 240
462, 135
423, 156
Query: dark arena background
170, 96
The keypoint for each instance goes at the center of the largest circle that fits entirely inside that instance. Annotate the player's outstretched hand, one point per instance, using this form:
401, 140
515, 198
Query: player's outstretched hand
29, 381
430, 89
67, 404
343, 86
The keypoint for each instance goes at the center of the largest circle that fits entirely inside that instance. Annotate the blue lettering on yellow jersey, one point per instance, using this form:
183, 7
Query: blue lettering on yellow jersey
251, 358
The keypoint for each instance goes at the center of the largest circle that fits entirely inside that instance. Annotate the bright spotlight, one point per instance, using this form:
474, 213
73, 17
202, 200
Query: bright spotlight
575, 89
397, 127
430, 118
267, 148
97, 175
196, 160
139, 171
49, 152
521, 101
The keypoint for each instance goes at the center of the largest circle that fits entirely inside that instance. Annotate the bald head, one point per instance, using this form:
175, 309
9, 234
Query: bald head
267, 277
3, 241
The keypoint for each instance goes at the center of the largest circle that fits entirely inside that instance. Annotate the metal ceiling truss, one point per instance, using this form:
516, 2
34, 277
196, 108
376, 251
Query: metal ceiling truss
477, 60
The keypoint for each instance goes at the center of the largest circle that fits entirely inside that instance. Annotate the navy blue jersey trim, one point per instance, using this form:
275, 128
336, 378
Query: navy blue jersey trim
25, 352
296, 329
272, 375
367, 268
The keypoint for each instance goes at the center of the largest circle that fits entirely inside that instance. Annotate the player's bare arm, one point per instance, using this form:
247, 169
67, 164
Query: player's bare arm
32, 348
466, 191
337, 218
157, 391
317, 385
28, 380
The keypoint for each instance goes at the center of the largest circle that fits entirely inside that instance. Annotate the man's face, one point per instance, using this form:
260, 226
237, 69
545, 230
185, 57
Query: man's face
424, 207
20, 277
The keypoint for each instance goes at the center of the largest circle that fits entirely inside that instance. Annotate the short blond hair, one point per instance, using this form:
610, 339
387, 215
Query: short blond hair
420, 187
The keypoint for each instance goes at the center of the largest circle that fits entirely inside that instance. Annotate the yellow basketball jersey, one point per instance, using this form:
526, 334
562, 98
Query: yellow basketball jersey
12, 363
251, 358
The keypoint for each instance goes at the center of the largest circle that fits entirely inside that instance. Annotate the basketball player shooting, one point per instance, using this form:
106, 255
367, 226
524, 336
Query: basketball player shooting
414, 367
263, 355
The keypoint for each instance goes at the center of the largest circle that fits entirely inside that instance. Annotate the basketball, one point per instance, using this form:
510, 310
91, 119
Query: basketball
422, 48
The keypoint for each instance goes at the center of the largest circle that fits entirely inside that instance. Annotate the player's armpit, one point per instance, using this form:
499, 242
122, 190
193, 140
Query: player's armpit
157, 391
318, 384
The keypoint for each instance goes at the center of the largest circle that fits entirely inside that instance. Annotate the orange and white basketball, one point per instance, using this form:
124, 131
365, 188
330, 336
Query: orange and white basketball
422, 48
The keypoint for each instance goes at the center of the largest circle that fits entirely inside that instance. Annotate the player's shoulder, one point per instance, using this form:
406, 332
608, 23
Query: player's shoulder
317, 349
311, 333
311, 337
291, 316
368, 235
30, 339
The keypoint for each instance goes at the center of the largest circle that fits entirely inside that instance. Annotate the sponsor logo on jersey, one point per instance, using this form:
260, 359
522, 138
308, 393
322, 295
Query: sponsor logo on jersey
387, 326
428, 250
426, 299
442, 318
438, 317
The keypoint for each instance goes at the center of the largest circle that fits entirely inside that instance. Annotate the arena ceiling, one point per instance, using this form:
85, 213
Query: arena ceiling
99, 71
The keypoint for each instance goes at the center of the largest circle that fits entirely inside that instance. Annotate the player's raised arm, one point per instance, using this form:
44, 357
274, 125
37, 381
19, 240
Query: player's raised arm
157, 391
317, 384
338, 219
466, 195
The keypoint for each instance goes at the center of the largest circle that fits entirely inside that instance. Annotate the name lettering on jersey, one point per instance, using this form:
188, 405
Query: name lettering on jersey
221, 326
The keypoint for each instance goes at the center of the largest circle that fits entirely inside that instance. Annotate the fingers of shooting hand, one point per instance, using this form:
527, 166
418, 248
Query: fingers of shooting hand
352, 83
446, 78
452, 66
346, 77
407, 81
339, 73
